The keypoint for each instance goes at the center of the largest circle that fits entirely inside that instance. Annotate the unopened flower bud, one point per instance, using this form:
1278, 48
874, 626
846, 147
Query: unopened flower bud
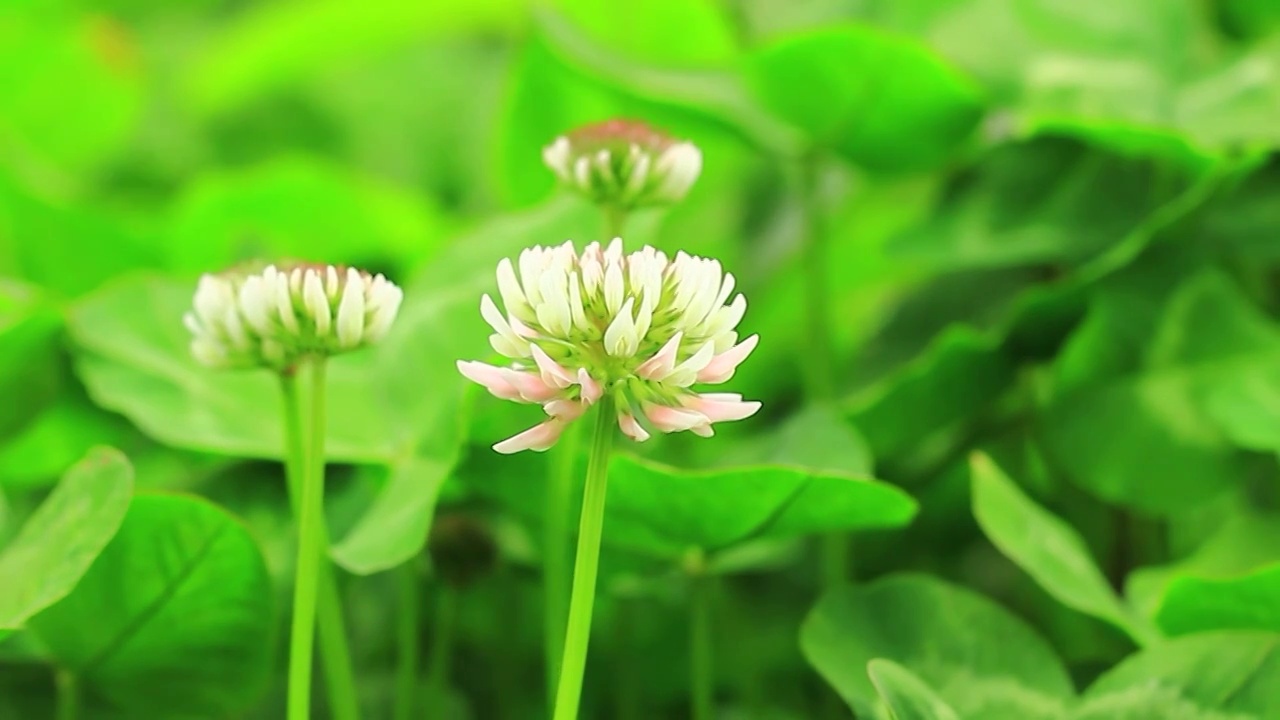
278, 316
624, 164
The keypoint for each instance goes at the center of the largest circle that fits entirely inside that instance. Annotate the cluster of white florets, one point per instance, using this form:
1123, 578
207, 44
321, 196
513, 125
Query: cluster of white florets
624, 164
640, 328
279, 316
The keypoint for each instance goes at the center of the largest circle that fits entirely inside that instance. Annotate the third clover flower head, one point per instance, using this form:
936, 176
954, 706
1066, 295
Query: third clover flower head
624, 164
279, 316
640, 328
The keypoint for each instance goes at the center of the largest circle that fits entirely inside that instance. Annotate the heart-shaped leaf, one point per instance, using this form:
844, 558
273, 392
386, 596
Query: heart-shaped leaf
174, 619
982, 661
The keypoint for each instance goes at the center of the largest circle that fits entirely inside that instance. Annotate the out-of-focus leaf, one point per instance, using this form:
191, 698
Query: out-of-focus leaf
668, 32
31, 362
1048, 200
60, 435
174, 619
657, 509
396, 526
1164, 420
883, 101
942, 634
69, 248
272, 46
908, 697
74, 131
299, 208
1048, 549
819, 438
963, 372
1210, 676
58, 543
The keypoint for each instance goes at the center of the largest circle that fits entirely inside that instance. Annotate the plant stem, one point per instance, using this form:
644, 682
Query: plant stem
819, 382
615, 221
574, 664
407, 632
556, 577
335, 656
310, 546
442, 647
68, 695
701, 659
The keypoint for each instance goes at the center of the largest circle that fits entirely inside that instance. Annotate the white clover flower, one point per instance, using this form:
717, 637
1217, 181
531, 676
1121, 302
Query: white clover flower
624, 164
639, 328
279, 316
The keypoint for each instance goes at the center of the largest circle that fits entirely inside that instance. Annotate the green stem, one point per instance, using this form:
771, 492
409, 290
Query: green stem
335, 656
818, 378
574, 664
700, 642
407, 632
615, 222
68, 695
556, 578
310, 547
442, 647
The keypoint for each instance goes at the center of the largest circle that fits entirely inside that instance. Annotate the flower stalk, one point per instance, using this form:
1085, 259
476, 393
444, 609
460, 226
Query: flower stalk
407, 632
582, 602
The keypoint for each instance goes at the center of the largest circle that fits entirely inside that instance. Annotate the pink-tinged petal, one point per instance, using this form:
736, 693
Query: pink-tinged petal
702, 430
537, 438
592, 390
553, 373
494, 379
663, 362
670, 419
531, 386
521, 329
722, 366
721, 407
631, 428
565, 410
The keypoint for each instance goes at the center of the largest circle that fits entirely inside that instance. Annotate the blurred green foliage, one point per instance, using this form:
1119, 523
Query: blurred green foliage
1051, 252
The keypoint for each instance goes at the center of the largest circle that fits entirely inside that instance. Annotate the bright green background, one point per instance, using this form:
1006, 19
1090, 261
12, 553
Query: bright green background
1053, 237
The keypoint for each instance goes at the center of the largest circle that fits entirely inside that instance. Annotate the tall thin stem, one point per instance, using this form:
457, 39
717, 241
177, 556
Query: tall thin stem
442, 647
68, 695
407, 638
335, 656
818, 376
556, 573
701, 659
590, 529
310, 546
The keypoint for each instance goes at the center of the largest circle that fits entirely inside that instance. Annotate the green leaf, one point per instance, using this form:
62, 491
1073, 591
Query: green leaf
298, 208
174, 619
983, 662
662, 510
1204, 367
31, 365
908, 697
74, 131
1045, 200
884, 102
669, 32
819, 439
267, 48
1210, 676
962, 372
1249, 602
59, 542
1048, 549
395, 527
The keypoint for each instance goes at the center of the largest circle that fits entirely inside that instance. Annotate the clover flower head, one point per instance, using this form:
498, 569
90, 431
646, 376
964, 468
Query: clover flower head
641, 329
624, 164
278, 316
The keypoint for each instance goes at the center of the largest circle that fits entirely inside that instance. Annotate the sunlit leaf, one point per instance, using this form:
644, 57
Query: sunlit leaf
907, 696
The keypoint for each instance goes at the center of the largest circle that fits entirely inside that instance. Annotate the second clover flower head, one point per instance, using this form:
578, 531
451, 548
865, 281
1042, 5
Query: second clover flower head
624, 164
640, 328
279, 316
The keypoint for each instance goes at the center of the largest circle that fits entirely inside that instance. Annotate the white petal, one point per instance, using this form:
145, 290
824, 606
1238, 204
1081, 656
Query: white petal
316, 302
620, 339
351, 311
